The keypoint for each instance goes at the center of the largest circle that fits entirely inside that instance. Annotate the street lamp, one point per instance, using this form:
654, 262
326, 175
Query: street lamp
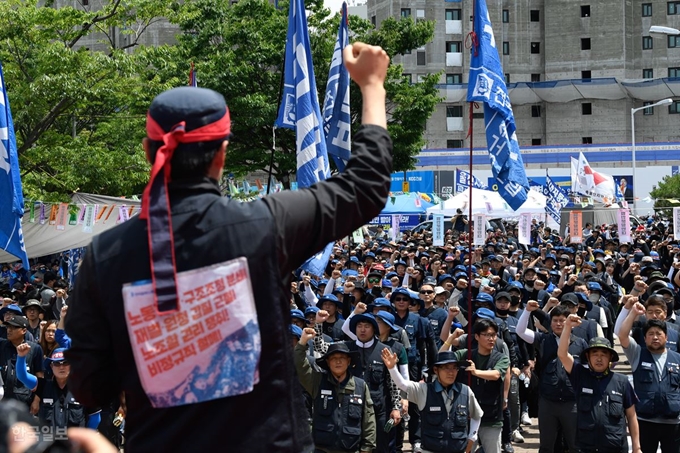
632, 140
658, 30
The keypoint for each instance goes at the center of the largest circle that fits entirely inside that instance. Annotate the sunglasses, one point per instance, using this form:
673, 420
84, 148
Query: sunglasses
427, 292
373, 280
60, 364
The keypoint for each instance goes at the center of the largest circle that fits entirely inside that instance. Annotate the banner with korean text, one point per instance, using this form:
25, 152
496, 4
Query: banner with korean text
575, 228
207, 349
438, 230
623, 221
524, 229
479, 223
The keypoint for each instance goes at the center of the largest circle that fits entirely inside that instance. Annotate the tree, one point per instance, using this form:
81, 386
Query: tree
239, 52
668, 189
78, 112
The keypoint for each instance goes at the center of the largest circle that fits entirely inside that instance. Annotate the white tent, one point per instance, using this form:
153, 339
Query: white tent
489, 203
45, 239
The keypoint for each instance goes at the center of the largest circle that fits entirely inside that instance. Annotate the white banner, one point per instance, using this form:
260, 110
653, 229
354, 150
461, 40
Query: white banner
479, 223
524, 229
395, 226
623, 221
123, 214
676, 223
438, 230
88, 219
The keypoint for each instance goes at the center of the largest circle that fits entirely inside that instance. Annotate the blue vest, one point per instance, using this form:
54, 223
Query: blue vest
337, 425
443, 431
659, 395
554, 384
601, 422
411, 324
372, 370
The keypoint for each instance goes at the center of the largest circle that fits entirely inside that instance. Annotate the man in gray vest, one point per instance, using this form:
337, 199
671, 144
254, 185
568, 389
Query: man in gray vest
656, 376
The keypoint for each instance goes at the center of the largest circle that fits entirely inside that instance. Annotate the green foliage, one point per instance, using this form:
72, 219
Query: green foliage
668, 189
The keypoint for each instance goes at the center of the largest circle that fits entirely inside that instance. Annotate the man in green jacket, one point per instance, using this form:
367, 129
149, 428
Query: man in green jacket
343, 419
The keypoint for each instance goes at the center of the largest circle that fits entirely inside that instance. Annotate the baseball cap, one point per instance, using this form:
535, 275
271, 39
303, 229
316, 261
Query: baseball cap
18, 321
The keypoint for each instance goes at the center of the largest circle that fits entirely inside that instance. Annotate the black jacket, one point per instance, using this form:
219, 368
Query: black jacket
276, 234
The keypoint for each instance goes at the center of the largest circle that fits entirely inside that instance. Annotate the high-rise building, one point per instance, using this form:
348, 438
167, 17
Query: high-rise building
568, 65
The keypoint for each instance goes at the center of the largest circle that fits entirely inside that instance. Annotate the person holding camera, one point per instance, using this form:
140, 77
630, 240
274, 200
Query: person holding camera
459, 222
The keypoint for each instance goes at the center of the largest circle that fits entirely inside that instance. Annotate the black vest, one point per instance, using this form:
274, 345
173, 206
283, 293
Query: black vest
443, 431
586, 330
337, 425
371, 368
554, 384
601, 420
489, 394
60, 409
659, 395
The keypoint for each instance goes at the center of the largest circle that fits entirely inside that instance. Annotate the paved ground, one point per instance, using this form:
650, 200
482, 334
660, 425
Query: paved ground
530, 434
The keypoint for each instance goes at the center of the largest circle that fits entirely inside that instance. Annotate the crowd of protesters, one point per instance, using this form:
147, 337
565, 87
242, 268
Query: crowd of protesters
502, 309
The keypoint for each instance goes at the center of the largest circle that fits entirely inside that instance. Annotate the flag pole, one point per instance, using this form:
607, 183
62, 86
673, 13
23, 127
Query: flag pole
271, 158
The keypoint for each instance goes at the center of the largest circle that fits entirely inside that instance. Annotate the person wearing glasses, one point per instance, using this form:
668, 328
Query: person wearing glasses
656, 376
58, 408
487, 368
451, 413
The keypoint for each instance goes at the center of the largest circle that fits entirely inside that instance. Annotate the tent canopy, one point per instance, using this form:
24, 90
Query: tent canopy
42, 240
489, 203
405, 204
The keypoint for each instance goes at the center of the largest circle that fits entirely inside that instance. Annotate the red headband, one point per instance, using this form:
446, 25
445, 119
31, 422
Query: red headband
156, 203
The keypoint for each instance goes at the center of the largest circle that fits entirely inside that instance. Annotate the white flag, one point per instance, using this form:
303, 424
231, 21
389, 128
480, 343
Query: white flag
524, 229
480, 229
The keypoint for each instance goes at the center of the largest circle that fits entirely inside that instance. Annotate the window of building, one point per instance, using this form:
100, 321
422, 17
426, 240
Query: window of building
586, 75
506, 16
421, 58
649, 111
586, 108
453, 46
587, 140
536, 111
673, 72
647, 43
478, 115
534, 15
674, 107
535, 77
452, 144
535, 47
454, 111
420, 14
507, 78
373, 21
535, 142
673, 41
648, 73
506, 48
406, 12
452, 14
585, 10
646, 10
452, 79
585, 43
673, 8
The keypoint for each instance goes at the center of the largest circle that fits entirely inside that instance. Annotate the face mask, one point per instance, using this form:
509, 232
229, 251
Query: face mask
502, 312
529, 285
594, 298
514, 300
581, 311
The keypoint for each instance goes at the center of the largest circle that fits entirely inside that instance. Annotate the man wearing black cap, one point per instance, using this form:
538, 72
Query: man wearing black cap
450, 412
186, 225
13, 388
605, 400
343, 416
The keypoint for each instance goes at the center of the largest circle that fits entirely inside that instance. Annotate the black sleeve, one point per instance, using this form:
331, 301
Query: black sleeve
514, 360
347, 305
308, 219
299, 302
430, 344
40, 387
36, 359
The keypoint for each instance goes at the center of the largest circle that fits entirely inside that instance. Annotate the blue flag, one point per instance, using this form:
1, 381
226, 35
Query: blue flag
300, 110
556, 199
11, 195
336, 115
487, 84
464, 179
